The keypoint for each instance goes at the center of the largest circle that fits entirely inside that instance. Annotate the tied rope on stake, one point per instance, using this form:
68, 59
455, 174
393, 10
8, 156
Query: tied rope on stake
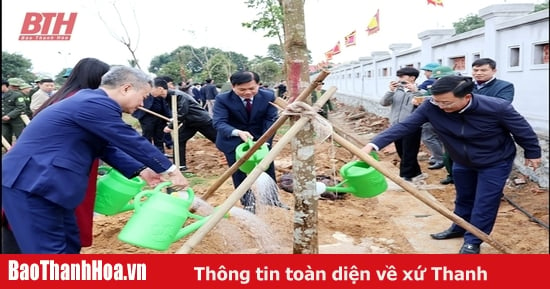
321, 126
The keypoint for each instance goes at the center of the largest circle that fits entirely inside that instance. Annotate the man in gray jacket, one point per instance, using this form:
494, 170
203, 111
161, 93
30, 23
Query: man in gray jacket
400, 98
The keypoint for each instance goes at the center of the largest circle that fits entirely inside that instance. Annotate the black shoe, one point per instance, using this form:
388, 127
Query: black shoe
183, 168
431, 162
436, 166
447, 234
469, 249
447, 180
407, 179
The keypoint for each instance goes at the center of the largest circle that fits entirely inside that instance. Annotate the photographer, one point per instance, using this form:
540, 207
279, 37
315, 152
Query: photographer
400, 95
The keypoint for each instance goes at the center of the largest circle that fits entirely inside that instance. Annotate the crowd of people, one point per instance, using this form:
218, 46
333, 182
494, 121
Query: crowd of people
50, 168
50, 172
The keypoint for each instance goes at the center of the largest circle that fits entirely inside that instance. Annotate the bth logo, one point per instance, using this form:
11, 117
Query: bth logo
47, 26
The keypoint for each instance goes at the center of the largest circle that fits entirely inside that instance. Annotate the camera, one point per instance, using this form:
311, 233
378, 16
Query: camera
403, 83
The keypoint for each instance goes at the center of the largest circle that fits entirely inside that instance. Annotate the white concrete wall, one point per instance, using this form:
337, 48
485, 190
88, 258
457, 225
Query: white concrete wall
507, 27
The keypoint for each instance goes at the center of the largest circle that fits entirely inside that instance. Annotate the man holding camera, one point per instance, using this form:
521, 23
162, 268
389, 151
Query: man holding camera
400, 95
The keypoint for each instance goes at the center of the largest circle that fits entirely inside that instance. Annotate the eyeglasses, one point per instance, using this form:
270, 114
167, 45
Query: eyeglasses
442, 104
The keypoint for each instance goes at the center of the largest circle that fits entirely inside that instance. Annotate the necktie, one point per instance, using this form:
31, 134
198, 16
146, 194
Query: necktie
248, 106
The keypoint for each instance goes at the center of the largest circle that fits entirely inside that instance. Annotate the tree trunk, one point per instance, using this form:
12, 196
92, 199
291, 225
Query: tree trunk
303, 145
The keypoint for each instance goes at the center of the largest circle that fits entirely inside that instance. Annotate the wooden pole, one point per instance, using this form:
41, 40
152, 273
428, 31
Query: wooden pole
175, 131
241, 189
411, 189
25, 119
5, 143
268, 134
154, 113
417, 194
250, 179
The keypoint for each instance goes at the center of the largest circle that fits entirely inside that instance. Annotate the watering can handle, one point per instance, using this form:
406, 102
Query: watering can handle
137, 198
107, 169
162, 185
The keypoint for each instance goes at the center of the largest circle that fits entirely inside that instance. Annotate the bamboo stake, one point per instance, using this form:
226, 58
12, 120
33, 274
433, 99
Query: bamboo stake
250, 179
416, 193
268, 134
25, 119
5, 143
175, 132
157, 115
154, 113
411, 189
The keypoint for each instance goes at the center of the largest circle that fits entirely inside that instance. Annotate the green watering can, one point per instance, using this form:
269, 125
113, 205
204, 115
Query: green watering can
114, 191
158, 220
254, 159
361, 180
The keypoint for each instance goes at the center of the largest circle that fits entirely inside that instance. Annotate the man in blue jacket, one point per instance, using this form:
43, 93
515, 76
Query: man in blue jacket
479, 133
45, 175
240, 114
483, 71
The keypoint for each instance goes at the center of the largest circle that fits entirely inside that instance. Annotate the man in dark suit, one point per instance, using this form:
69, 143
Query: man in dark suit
44, 176
152, 126
235, 124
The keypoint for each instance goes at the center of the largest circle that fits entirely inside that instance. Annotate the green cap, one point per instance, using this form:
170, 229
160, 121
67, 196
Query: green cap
25, 85
16, 81
442, 71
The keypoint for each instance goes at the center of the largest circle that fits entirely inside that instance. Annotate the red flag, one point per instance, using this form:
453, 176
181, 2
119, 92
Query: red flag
436, 2
374, 24
336, 48
349, 39
328, 55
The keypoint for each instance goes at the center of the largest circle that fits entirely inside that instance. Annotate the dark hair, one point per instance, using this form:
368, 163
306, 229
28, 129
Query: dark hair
160, 82
5, 82
459, 85
45, 80
86, 73
410, 71
166, 78
241, 77
483, 61
208, 80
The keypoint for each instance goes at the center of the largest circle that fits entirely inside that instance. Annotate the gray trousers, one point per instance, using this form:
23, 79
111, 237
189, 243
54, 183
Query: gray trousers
432, 142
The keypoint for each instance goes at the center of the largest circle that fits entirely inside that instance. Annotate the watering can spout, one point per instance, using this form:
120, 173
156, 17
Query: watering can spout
190, 228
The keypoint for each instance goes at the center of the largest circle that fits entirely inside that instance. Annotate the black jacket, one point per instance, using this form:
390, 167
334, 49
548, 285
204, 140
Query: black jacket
190, 112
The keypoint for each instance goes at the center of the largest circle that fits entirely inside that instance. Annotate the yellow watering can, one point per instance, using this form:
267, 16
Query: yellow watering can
114, 191
254, 159
158, 220
361, 180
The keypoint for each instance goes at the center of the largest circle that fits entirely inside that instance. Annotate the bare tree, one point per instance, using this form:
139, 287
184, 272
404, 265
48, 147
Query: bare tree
125, 39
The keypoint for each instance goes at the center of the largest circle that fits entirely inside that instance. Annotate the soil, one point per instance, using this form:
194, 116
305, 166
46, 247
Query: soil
347, 224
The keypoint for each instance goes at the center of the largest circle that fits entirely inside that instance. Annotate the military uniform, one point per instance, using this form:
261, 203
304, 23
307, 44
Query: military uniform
27, 97
13, 105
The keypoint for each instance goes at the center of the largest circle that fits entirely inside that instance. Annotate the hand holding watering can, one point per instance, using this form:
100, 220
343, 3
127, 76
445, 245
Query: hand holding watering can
176, 179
